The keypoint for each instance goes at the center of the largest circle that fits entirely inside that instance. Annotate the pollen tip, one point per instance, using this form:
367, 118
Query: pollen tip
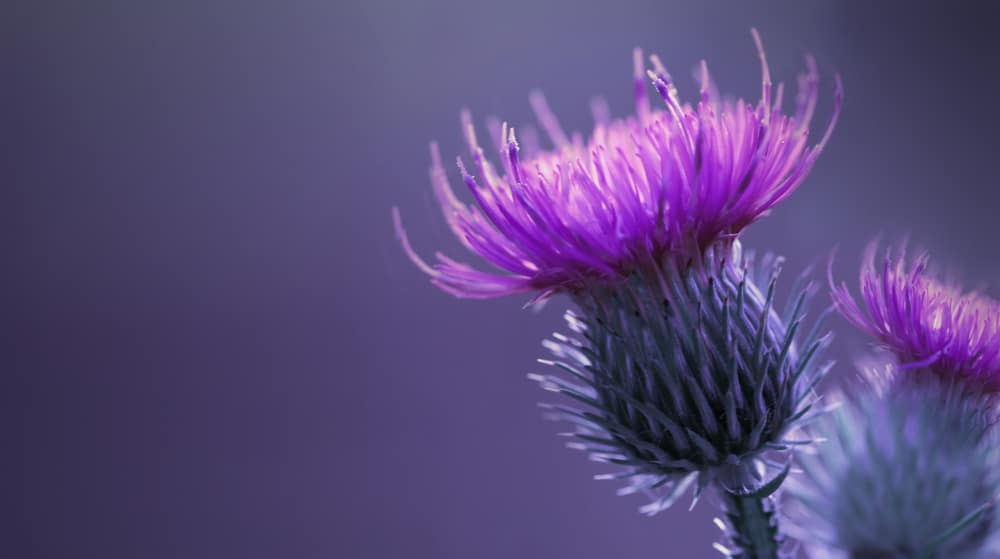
660, 69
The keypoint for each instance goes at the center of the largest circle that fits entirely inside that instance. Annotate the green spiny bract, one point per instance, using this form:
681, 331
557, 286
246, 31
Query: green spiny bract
687, 373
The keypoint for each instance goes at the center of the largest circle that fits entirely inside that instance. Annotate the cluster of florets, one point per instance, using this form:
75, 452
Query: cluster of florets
663, 183
926, 323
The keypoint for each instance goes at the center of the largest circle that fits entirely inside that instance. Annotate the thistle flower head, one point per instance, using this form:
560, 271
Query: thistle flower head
928, 324
663, 182
687, 373
910, 472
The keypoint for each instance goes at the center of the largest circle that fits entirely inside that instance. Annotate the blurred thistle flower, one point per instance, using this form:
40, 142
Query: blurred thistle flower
661, 184
687, 374
927, 324
906, 473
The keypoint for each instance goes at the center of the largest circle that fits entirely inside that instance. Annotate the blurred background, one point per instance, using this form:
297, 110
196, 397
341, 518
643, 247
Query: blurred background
214, 346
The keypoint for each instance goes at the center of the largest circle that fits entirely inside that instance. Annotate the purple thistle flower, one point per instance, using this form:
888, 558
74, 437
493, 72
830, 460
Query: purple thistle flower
682, 371
662, 183
926, 323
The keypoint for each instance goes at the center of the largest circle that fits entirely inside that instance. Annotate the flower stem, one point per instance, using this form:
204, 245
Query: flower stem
752, 521
752, 526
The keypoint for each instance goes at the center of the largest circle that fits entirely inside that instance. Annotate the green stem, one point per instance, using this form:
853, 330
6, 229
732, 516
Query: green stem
752, 519
752, 526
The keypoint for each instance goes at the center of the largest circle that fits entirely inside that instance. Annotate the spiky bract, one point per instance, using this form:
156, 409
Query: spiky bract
666, 182
908, 472
686, 373
926, 323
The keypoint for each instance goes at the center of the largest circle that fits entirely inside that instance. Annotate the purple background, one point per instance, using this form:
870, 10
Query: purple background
214, 347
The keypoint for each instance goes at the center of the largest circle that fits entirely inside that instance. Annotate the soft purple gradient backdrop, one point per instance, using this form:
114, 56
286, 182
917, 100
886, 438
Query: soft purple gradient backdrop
215, 347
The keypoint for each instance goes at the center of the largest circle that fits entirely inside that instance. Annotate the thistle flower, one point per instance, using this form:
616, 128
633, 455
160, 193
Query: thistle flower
909, 469
910, 472
926, 323
687, 374
662, 183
